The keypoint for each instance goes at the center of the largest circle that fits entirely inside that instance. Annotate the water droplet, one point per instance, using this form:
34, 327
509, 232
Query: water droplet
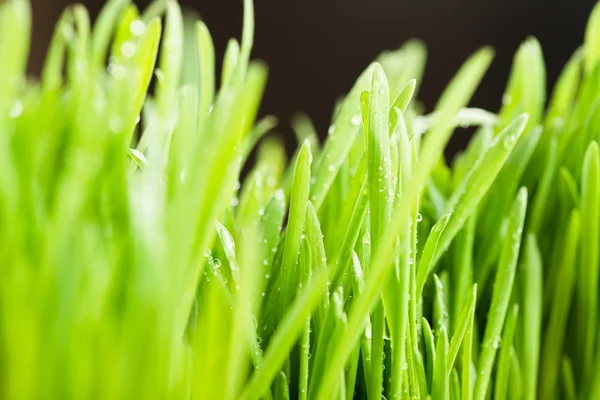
263, 294
237, 185
16, 109
331, 168
506, 99
267, 276
271, 181
234, 201
182, 176
496, 343
419, 217
137, 120
261, 211
356, 119
128, 49
331, 130
137, 27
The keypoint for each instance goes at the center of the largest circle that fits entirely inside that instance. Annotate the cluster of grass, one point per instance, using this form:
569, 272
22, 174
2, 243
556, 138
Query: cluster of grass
134, 264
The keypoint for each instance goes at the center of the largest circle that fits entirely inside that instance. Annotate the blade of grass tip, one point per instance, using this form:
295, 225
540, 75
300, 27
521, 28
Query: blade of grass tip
587, 284
295, 227
285, 336
154, 10
230, 61
103, 28
380, 200
428, 253
568, 379
304, 129
171, 60
440, 377
78, 56
341, 137
134, 94
454, 98
552, 347
527, 84
503, 286
532, 279
247, 40
592, 41
467, 359
462, 326
462, 269
401, 103
52, 71
15, 32
472, 189
206, 64
503, 366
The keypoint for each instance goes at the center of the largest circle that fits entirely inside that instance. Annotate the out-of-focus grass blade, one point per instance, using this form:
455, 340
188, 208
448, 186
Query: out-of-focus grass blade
552, 347
230, 61
430, 354
592, 41
501, 293
103, 28
587, 282
206, 64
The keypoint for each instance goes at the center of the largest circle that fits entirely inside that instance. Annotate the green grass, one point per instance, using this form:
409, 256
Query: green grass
136, 264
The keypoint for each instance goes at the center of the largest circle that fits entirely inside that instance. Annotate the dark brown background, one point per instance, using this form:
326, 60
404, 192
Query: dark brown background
316, 48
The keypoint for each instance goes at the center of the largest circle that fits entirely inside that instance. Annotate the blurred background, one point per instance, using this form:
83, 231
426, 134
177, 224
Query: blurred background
317, 48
